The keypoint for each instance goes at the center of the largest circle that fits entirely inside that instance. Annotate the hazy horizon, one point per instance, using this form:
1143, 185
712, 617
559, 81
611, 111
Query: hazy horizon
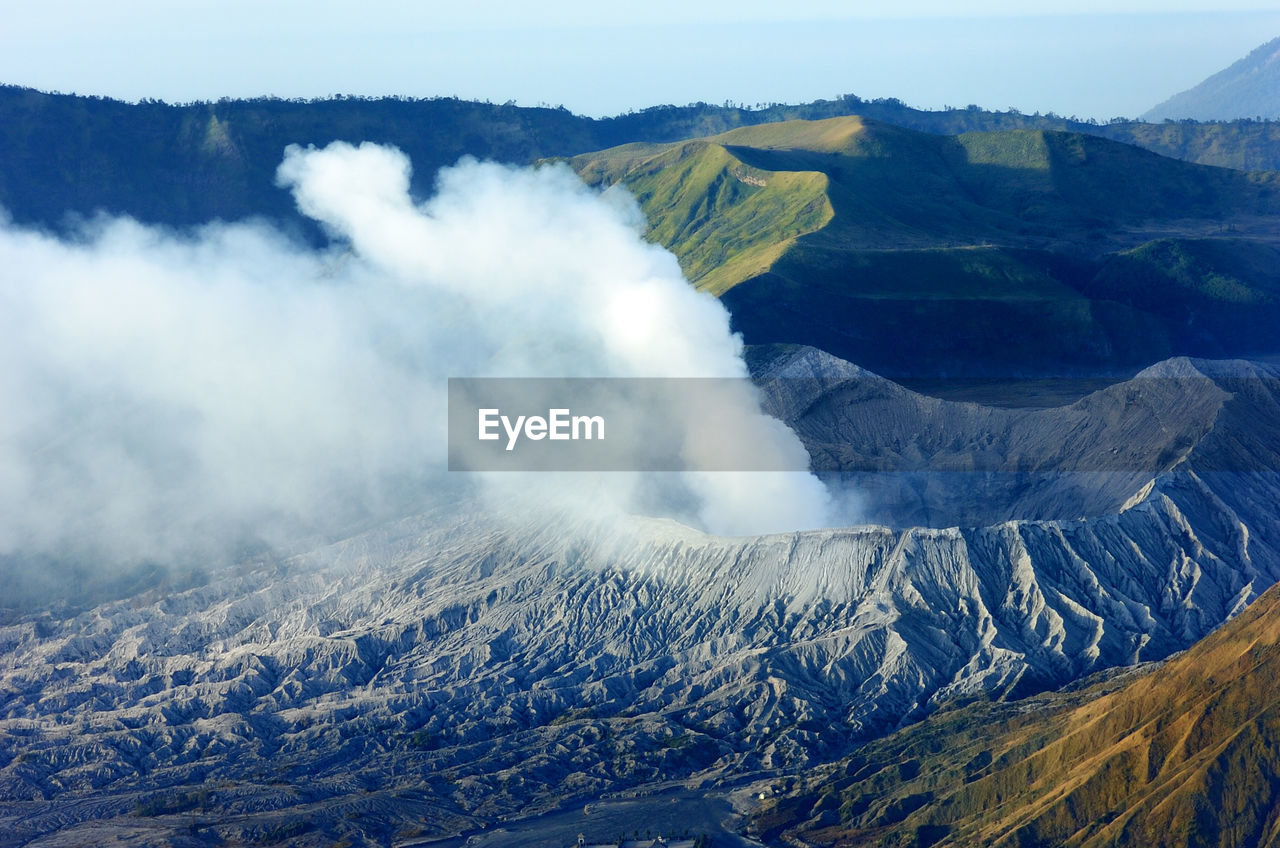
1069, 59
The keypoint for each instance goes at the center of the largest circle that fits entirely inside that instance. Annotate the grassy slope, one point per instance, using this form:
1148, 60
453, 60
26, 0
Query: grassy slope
1186, 754
990, 248
892, 188
725, 219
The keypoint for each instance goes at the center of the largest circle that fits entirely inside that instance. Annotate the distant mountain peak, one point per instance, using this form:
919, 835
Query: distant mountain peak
1250, 88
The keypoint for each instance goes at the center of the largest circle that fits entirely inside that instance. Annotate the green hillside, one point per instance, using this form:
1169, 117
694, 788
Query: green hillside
182, 164
1186, 754
915, 254
726, 219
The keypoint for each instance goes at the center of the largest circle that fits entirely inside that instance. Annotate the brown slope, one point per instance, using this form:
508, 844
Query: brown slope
1187, 754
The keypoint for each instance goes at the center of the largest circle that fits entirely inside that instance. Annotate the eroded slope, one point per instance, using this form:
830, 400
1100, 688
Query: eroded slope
1183, 754
450, 670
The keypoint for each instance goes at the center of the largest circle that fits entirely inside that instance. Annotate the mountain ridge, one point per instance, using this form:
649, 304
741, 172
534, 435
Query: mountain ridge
1245, 89
184, 165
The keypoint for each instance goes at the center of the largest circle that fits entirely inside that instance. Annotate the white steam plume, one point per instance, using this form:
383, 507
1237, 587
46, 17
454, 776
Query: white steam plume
170, 394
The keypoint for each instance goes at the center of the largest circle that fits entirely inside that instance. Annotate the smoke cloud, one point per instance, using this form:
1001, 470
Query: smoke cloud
174, 395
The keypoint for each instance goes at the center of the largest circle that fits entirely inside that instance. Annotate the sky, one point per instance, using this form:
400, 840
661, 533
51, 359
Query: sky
1086, 58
